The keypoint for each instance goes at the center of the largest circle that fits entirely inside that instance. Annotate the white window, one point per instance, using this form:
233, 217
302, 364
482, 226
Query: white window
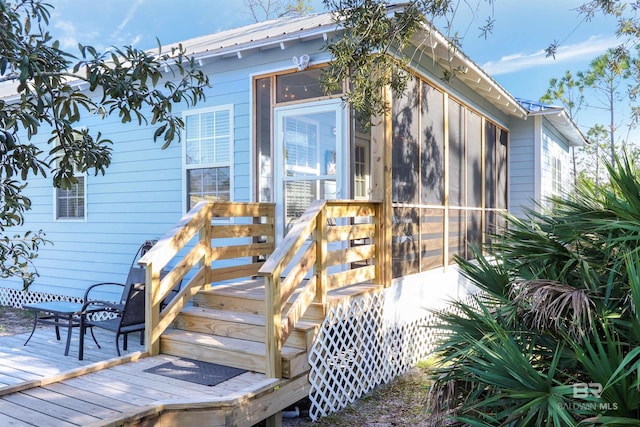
208, 154
70, 204
556, 176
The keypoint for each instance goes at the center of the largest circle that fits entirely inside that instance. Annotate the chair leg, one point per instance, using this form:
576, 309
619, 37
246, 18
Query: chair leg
125, 340
82, 332
94, 337
35, 322
117, 340
55, 319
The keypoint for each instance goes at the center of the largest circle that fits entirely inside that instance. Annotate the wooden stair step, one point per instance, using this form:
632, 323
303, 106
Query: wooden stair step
228, 351
249, 296
241, 325
246, 297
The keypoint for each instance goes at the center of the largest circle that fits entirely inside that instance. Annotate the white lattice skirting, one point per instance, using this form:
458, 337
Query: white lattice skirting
358, 348
17, 297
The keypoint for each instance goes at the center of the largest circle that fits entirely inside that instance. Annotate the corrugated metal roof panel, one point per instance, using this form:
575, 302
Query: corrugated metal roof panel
273, 31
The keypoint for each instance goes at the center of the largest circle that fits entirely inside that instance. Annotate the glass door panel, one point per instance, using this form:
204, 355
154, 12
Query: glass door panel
309, 144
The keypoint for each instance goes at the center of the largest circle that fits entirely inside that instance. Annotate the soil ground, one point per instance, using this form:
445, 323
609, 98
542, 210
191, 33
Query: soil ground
399, 403
15, 321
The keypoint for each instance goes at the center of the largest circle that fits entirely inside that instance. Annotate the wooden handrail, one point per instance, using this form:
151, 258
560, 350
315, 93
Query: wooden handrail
198, 222
297, 261
295, 238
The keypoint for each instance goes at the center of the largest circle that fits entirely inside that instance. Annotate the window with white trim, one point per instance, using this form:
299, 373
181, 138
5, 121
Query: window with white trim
70, 204
556, 176
208, 154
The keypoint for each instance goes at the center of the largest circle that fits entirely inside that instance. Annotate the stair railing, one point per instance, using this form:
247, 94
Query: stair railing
249, 224
334, 244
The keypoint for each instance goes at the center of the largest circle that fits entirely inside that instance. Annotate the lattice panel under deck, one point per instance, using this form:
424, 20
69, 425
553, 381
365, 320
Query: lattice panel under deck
17, 297
357, 350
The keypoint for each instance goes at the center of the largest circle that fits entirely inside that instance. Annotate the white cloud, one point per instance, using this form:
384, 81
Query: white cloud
130, 14
69, 37
588, 49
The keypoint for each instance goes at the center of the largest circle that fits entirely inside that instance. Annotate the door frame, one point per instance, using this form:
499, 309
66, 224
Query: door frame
342, 151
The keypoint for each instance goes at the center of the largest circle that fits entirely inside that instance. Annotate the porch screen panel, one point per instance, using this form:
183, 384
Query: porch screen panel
432, 146
456, 154
300, 85
501, 169
490, 165
490, 228
431, 238
474, 160
405, 248
474, 231
405, 156
457, 233
263, 140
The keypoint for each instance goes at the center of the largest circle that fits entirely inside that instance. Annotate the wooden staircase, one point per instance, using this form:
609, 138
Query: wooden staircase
265, 316
226, 325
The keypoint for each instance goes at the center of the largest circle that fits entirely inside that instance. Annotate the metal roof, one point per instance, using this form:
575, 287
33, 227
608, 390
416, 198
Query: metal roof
284, 32
559, 119
272, 33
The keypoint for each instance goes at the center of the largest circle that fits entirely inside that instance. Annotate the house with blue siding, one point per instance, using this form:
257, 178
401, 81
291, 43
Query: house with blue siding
431, 177
542, 169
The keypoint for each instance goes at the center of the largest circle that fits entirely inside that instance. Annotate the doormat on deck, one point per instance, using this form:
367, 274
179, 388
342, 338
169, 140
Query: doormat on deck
195, 371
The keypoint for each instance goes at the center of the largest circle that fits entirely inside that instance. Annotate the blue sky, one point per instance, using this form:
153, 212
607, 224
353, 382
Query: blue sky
512, 54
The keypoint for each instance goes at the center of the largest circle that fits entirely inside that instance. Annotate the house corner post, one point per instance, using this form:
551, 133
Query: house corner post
381, 189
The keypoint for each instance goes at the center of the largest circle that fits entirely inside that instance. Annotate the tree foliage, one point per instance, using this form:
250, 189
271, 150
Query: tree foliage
53, 90
552, 338
570, 92
370, 52
262, 10
606, 76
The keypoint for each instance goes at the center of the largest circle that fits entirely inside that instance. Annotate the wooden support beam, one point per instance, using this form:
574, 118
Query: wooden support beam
273, 327
152, 311
320, 237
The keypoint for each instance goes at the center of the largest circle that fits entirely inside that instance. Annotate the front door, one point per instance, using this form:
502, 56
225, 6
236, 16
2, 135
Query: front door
309, 158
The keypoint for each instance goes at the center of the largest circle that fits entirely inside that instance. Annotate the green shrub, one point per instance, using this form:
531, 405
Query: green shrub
553, 336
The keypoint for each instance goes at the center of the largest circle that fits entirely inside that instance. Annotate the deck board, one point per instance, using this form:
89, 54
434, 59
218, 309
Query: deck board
52, 408
6, 420
30, 415
94, 396
71, 400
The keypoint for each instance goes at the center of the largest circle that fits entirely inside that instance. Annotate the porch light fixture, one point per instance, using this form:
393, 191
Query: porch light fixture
301, 62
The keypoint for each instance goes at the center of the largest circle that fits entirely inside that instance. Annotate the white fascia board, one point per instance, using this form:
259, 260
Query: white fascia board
435, 44
559, 118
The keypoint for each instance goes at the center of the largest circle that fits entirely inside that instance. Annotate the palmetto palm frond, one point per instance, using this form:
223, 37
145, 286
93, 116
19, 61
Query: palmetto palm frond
559, 304
554, 306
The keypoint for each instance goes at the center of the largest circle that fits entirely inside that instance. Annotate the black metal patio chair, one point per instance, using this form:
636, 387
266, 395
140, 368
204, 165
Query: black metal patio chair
122, 318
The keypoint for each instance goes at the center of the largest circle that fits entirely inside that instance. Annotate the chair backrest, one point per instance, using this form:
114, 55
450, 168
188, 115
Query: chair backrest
133, 311
138, 275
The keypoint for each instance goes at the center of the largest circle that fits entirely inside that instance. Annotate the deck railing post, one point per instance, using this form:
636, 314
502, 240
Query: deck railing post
205, 236
273, 326
379, 241
151, 312
320, 237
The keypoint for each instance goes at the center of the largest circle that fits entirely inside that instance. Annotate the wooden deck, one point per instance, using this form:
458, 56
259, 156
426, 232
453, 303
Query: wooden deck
40, 386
